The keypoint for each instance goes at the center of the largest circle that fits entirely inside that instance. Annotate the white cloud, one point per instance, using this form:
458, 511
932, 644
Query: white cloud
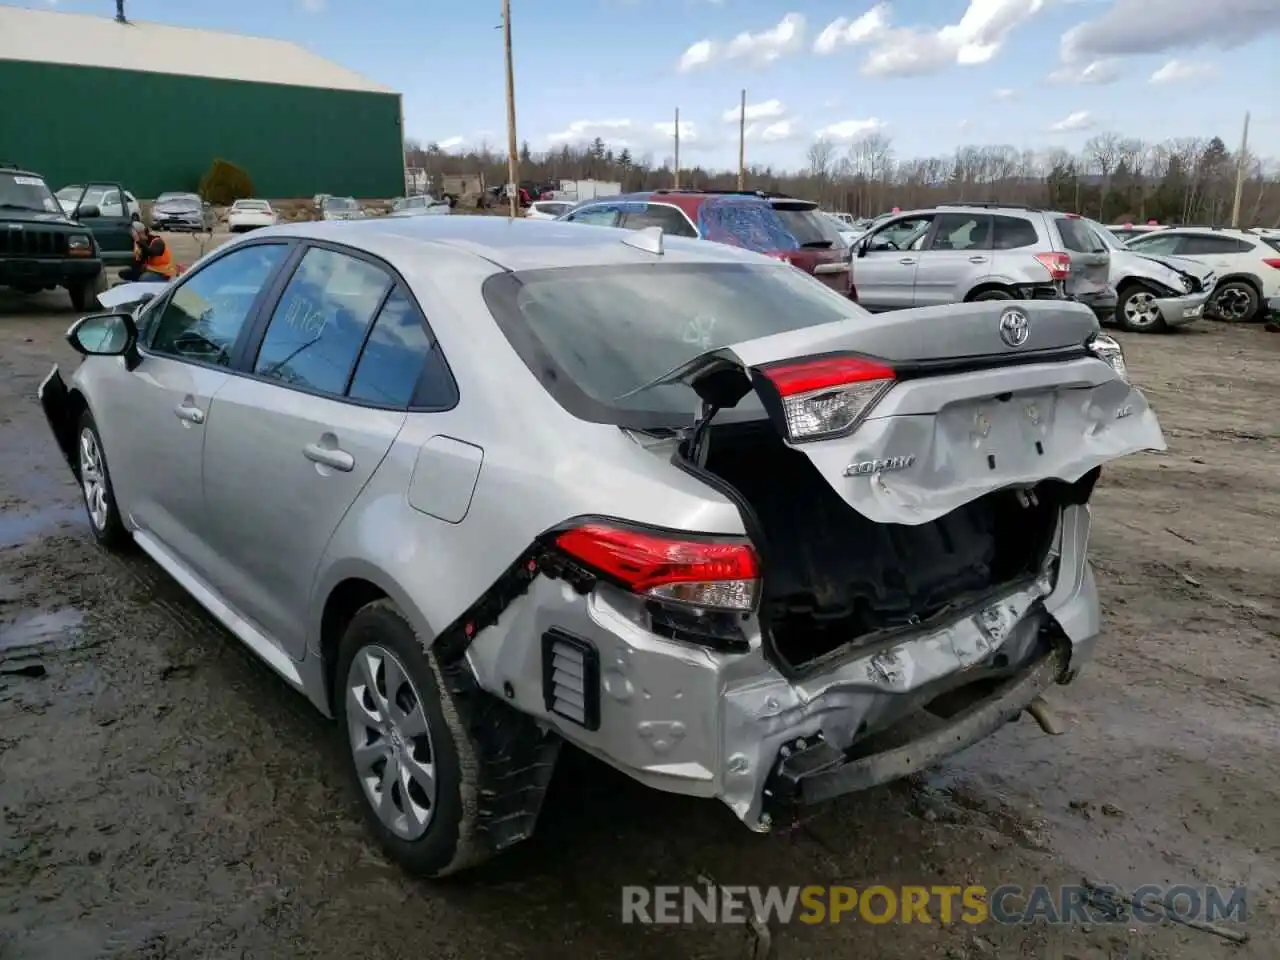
772, 132
451, 143
1080, 120
768, 110
755, 49
1176, 71
1098, 72
313, 6
851, 129
632, 134
843, 32
1159, 26
977, 38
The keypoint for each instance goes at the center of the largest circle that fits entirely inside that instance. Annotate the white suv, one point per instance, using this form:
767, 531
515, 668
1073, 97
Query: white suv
1246, 262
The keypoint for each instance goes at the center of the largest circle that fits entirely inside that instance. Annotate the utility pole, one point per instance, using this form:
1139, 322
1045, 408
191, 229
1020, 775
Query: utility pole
742, 142
1241, 160
676, 182
513, 157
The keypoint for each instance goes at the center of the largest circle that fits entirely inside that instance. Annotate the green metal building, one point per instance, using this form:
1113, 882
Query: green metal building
152, 106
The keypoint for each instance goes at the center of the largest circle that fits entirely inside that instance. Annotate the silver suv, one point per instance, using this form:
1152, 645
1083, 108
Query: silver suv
981, 251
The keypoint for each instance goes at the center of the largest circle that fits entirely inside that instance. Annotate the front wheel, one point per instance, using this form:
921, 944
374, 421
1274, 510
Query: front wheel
407, 750
1235, 302
1137, 311
96, 488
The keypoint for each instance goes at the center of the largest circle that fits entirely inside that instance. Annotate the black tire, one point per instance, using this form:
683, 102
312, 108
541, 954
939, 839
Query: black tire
84, 293
993, 294
1236, 302
105, 522
447, 845
1130, 313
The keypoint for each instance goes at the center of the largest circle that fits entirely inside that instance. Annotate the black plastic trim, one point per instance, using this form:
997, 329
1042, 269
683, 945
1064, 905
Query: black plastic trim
590, 677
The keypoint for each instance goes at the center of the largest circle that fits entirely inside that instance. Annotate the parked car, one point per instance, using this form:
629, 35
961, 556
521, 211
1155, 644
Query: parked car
41, 248
694, 599
1156, 293
106, 197
783, 227
340, 208
957, 252
548, 209
182, 212
420, 206
247, 215
849, 234
1247, 265
1127, 231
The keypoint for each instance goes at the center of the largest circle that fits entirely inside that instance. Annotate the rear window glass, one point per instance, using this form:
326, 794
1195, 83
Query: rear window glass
752, 224
594, 334
809, 227
1272, 242
1077, 236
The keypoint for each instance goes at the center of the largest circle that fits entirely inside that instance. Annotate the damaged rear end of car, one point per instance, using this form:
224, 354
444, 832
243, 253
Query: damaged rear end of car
911, 571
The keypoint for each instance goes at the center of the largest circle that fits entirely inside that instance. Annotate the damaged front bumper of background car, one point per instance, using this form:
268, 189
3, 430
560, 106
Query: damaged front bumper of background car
704, 723
1182, 310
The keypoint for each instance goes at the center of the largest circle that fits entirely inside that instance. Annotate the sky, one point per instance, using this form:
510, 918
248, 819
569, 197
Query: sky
928, 74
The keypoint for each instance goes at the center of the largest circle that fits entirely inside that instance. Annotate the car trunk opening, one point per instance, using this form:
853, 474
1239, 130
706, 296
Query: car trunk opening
834, 579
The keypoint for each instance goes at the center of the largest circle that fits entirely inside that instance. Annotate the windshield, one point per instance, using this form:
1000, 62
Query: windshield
22, 191
339, 203
593, 334
250, 205
178, 201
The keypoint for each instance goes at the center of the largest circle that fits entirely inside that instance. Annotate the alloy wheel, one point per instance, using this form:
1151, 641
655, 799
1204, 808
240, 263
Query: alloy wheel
391, 742
1233, 304
93, 479
1140, 309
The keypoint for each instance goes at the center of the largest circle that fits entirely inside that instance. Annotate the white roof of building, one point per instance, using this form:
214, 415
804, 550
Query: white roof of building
90, 41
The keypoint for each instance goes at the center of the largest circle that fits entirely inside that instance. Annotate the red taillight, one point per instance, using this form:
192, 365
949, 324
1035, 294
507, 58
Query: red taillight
1058, 264
714, 574
827, 396
784, 257
1273, 263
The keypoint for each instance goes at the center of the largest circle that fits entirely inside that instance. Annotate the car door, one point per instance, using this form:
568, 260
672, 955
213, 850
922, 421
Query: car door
955, 258
884, 273
112, 228
187, 342
289, 450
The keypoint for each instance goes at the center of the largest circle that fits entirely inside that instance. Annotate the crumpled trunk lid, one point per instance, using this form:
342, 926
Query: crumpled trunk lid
971, 405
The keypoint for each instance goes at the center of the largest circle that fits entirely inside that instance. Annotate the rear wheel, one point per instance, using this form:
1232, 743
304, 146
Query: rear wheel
407, 751
1137, 311
995, 293
1236, 302
95, 486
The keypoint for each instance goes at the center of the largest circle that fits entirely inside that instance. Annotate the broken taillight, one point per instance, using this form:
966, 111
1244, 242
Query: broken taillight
1058, 264
709, 573
827, 396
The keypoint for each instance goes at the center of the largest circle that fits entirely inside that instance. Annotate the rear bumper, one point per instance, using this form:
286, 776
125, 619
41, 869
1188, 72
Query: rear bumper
1103, 303
688, 720
48, 272
1180, 311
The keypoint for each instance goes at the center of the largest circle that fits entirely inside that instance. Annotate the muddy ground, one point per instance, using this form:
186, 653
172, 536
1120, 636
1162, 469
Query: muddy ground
162, 794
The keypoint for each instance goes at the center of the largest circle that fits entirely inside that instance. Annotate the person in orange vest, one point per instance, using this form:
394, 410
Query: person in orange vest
152, 258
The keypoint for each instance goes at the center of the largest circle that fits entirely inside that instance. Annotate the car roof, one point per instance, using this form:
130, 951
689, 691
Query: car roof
509, 244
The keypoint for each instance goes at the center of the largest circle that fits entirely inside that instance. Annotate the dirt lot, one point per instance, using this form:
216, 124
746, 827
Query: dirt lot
162, 794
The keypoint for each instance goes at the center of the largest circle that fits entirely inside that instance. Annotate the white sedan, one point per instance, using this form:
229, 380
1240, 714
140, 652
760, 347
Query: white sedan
247, 215
547, 209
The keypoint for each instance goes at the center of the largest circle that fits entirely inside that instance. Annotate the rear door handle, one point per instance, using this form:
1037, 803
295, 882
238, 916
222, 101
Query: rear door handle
907, 260
330, 457
189, 413
977, 259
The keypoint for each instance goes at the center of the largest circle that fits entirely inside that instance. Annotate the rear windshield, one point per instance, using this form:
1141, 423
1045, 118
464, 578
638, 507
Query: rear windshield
594, 334
749, 223
809, 227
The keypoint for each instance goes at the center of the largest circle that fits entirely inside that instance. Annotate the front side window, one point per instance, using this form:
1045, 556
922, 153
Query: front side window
1162, 243
319, 325
671, 220
204, 317
594, 334
597, 216
901, 234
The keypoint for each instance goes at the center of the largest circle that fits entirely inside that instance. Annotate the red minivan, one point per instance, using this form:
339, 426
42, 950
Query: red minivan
782, 227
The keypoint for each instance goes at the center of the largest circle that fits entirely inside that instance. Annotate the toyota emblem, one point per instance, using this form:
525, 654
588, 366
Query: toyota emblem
1014, 327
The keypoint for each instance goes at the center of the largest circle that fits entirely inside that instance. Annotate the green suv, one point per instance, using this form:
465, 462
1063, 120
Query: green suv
41, 248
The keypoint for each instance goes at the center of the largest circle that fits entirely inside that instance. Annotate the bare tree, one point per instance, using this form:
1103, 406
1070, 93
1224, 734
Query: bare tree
820, 158
1102, 153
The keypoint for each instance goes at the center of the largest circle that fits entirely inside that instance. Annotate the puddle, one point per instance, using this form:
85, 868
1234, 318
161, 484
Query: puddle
43, 628
16, 528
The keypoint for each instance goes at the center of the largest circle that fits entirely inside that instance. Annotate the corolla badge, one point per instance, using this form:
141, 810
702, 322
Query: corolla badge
863, 468
1014, 327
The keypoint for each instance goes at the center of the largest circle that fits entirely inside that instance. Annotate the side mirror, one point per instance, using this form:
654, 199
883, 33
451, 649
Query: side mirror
104, 335
87, 210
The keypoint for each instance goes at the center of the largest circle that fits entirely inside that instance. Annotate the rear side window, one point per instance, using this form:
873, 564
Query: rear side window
1011, 233
741, 222
319, 325
596, 216
1195, 244
1077, 237
808, 226
401, 365
1272, 242
961, 231
671, 220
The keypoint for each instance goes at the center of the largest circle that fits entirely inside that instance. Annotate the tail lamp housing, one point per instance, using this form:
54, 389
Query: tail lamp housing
705, 573
823, 397
1058, 264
